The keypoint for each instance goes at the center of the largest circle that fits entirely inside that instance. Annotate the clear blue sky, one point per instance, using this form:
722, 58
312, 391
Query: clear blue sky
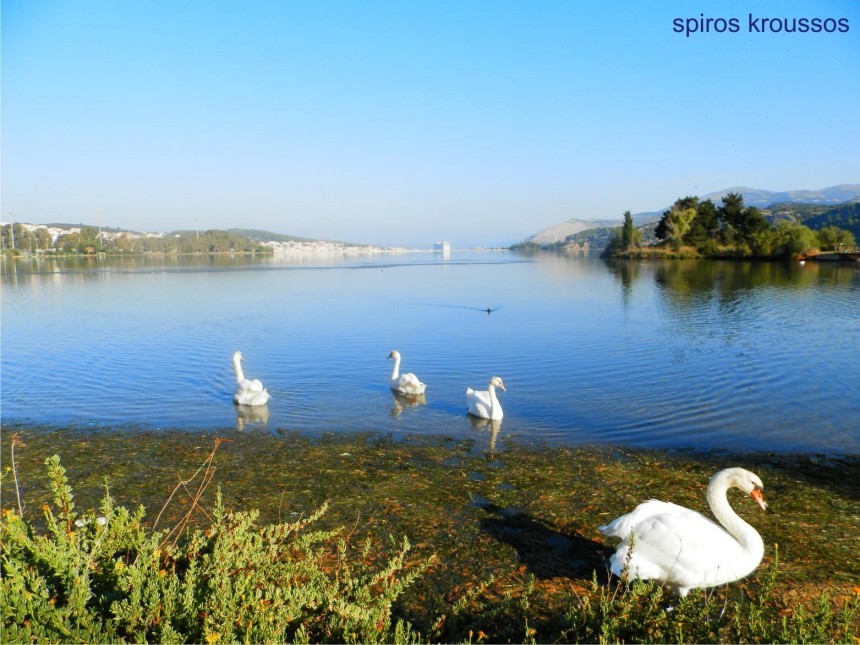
407, 122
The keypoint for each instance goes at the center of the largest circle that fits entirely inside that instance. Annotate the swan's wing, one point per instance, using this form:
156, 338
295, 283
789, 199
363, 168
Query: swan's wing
676, 546
248, 385
247, 397
261, 398
408, 384
479, 403
622, 526
409, 379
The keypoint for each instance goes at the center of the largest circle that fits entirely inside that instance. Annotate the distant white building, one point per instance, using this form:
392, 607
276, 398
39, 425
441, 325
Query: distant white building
323, 247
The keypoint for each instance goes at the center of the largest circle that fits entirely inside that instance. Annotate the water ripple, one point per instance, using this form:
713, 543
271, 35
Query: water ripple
706, 355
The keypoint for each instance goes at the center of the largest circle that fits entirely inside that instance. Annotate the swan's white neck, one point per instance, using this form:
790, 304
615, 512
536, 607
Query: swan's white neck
237, 365
396, 371
748, 538
493, 400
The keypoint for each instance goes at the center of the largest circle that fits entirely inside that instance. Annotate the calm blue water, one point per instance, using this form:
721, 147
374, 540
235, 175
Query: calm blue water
699, 354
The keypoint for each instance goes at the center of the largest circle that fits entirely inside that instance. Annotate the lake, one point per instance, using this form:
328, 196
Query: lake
698, 354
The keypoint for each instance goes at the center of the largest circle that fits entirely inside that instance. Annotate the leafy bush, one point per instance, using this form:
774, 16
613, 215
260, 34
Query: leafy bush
106, 579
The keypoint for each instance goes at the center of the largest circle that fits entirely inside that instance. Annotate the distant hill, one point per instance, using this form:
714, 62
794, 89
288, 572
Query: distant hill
105, 229
845, 216
763, 198
251, 235
267, 236
559, 232
598, 232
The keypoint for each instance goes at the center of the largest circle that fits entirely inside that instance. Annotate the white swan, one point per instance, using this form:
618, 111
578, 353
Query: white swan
248, 392
408, 383
682, 549
484, 404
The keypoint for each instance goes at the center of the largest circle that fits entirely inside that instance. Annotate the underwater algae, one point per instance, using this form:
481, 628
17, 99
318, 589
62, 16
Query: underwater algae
501, 524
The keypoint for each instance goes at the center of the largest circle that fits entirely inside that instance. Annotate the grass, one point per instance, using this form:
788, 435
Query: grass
516, 555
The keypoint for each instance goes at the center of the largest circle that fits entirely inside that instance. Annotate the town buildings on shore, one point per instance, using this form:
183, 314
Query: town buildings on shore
320, 246
305, 247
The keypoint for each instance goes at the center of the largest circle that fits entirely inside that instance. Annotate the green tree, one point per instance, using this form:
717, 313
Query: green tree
83, 241
43, 239
615, 244
69, 243
830, 237
705, 225
740, 226
791, 240
17, 238
676, 221
628, 232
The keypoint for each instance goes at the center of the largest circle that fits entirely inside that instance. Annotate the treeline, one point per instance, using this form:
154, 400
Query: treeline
90, 240
732, 229
845, 216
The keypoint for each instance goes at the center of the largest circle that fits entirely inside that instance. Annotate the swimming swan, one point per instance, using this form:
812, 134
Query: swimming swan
248, 392
407, 384
485, 404
682, 549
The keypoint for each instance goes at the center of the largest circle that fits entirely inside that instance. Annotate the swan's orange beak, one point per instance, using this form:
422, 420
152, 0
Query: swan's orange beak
758, 496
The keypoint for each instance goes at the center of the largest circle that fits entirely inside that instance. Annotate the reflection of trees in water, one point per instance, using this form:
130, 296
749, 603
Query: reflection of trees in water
692, 281
627, 272
697, 280
735, 298
706, 291
95, 266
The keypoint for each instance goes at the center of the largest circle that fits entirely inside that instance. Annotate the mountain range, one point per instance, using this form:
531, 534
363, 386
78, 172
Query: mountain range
758, 197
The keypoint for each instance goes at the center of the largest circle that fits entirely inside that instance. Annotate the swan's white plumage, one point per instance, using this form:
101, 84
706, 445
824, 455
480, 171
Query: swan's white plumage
484, 403
248, 392
407, 384
244, 397
683, 549
243, 384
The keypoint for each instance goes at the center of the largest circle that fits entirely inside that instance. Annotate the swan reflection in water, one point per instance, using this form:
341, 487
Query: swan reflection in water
404, 401
492, 425
251, 415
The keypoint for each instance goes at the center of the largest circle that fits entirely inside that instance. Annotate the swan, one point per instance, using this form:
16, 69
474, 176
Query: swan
408, 383
248, 392
683, 549
246, 397
485, 404
241, 382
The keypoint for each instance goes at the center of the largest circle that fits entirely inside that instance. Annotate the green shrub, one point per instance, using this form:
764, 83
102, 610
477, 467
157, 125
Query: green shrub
106, 579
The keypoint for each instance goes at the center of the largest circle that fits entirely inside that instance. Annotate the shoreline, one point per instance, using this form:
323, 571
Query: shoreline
520, 523
485, 440
578, 486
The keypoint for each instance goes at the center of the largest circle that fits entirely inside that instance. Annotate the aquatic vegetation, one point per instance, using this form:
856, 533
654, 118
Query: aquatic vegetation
518, 557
